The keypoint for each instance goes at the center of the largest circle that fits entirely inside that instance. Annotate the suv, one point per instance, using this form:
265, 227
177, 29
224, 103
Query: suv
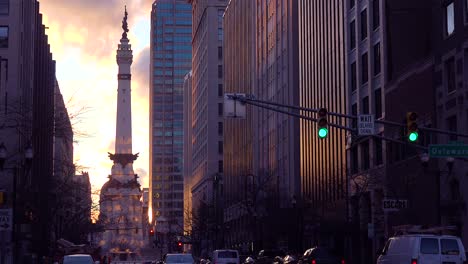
422, 248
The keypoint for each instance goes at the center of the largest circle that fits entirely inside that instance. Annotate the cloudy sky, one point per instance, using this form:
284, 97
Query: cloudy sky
84, 35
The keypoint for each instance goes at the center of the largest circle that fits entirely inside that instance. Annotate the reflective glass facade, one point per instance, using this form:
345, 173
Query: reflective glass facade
171, 53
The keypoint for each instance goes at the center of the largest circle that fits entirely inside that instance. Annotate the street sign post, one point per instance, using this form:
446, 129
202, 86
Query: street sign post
393, 205
366, 125
6, 221
449, 150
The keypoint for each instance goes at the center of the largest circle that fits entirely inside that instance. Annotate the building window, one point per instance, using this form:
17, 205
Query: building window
220, 128
377, 55
220, 71
376, 14
220, 147
353, 77
378, 152
364, 24
378, 103
220, 166
220, 89
449, 19
365, 158
364, 69
450, 75
365, 105
3, 37
354, 160
4, 7
220, 109
354, 113
452, 126
352, 3
220, 53
352, 34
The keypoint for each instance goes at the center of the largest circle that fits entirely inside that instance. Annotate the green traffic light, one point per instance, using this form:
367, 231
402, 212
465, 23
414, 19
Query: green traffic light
413, 136
323, 132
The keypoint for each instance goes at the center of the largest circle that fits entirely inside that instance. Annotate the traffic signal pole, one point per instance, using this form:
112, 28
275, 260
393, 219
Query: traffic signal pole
249, 99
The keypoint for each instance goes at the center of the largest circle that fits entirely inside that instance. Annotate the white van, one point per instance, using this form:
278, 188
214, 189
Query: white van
226, 256
423, 249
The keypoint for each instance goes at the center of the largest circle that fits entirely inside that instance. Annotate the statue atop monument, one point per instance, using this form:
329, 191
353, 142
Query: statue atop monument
125, 24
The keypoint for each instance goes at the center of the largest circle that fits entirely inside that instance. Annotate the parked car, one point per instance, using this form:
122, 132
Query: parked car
78, 259
320, 255
179, 259
249, 260
268, 256
290, 259
226, 256
422, 249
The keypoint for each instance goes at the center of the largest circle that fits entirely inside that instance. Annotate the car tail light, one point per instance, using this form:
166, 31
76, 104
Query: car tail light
314, 262
414, 261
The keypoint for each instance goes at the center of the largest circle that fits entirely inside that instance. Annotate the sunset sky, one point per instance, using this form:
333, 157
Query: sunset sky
84, 36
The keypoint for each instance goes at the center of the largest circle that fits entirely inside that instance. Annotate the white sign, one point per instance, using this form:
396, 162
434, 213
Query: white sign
366, 125
394, 205
233, 108
6, 221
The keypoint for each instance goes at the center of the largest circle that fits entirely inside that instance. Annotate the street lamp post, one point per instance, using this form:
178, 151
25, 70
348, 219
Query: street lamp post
28, 156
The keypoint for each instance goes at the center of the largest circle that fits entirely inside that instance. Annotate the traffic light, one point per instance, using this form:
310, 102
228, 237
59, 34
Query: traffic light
322, 123
412, 126
151, 232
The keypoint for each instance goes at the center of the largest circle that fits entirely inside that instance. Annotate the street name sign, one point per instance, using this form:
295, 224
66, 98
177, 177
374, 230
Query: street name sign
392, 205
366, 125
6, 221
449, 150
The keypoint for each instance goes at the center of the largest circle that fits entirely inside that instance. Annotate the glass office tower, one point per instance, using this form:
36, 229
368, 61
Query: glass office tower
171, 58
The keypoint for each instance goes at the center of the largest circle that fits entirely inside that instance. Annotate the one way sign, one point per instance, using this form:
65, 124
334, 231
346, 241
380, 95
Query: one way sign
6, 221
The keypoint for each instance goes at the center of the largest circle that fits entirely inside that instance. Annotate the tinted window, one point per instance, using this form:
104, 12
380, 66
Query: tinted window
429, 246
449, 247
227, 254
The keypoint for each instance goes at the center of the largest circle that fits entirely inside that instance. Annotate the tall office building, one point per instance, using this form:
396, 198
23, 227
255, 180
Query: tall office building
451, 71
322, 85
277, 68
188, 152
171, 57
239, 137
27, 87
207, 107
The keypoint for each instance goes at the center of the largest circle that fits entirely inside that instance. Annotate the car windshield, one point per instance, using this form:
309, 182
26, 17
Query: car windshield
179, 259
78, 260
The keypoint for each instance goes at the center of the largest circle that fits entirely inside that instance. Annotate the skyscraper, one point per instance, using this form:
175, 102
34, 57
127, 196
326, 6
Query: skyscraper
207, 108
239, 137
171, 57
322, 85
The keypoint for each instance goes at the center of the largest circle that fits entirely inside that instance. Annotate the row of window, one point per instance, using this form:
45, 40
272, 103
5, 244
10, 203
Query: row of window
365, 67
375, 23
184, 30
